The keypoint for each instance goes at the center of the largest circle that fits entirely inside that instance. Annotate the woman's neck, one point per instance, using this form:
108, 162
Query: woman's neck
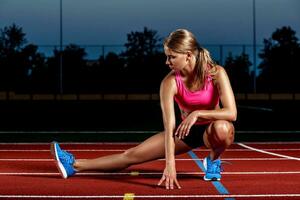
188, 71
188, 74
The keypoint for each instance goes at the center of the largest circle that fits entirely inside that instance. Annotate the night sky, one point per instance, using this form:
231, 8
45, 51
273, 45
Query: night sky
108, 21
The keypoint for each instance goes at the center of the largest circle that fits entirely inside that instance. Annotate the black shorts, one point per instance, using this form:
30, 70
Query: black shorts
195, 138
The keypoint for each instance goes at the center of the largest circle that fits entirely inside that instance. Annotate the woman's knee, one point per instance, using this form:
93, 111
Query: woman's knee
222, 131
152, 148
131, 156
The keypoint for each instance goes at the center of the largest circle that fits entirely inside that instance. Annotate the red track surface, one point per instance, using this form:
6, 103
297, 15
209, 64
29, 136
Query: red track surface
27, 171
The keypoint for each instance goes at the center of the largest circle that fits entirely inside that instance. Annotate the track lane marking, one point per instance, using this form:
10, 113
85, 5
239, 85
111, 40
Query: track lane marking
267, 152
177, 159
151, 196
113, 150
149, 173
124, 143
143, 173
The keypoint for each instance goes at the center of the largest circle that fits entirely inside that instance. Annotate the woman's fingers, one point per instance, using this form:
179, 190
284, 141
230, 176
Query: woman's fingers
169, 182
182, 130
187, 130
161, 180
177, 184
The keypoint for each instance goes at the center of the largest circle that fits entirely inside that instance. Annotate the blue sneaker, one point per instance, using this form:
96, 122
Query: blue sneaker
64, 160
212, 169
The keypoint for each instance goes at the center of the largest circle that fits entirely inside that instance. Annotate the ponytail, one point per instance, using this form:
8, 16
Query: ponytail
204, 66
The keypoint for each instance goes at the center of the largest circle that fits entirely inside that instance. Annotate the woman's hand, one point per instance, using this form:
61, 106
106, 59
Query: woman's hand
185, 126
169, 177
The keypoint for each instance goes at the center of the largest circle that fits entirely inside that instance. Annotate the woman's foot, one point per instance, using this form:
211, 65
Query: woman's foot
212, 169
64, 160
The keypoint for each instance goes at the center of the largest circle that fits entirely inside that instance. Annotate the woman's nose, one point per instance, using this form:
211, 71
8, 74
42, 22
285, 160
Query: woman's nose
167, 62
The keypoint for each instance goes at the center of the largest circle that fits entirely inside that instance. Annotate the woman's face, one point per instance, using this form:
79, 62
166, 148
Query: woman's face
176, 61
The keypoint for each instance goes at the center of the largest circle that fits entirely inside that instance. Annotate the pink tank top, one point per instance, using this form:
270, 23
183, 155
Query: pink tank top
203, 99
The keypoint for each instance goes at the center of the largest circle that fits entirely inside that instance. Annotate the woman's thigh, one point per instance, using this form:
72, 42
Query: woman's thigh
154, 148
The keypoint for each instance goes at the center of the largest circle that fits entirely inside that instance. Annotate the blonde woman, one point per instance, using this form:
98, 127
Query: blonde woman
199, 87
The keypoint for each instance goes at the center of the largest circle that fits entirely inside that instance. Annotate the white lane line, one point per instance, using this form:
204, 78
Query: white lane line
177, 159
136, 173
133, 173
73, 150
271, 143
261, 173
134, 131
116, 150
267, 152
78, 132
71, 143
124, 143
151, 196
267, 149
26, 160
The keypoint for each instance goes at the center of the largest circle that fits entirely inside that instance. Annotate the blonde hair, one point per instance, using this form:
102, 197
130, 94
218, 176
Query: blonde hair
182, 41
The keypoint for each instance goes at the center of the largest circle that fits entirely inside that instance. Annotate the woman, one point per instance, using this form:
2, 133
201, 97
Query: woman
198, 86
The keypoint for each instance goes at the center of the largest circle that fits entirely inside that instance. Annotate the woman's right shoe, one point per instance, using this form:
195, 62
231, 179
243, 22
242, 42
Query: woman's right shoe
212, 169
64, 160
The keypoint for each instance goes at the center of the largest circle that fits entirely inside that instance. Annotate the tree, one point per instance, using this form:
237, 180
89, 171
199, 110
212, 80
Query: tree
238, 72
12, 38
17, 62
144, 61
31, 70
280, 64
140, 46
73, 64
110, 75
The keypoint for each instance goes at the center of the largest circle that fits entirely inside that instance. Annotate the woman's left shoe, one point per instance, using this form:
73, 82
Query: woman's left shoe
64, 160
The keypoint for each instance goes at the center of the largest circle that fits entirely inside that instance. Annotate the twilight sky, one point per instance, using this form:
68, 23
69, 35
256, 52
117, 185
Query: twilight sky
108, 21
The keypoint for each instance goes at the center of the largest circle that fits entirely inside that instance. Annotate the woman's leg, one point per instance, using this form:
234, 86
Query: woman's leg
218, 136
151, 149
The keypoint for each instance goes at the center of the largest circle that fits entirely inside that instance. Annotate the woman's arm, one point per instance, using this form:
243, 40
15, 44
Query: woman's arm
228, 111
167, 91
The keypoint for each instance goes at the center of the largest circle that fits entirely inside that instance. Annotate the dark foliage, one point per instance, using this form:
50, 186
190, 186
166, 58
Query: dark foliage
281, 62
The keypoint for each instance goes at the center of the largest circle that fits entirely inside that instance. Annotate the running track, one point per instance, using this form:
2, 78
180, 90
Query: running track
256, 171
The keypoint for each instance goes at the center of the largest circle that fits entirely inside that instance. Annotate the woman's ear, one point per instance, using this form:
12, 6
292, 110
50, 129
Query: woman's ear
189, 56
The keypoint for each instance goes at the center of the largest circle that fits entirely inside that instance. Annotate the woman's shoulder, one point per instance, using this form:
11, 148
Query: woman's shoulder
220, 74
217, 71
170, 77
169, 80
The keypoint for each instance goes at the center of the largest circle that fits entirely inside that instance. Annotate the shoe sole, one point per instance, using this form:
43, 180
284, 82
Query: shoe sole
205, 164
59, 166
211, 179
